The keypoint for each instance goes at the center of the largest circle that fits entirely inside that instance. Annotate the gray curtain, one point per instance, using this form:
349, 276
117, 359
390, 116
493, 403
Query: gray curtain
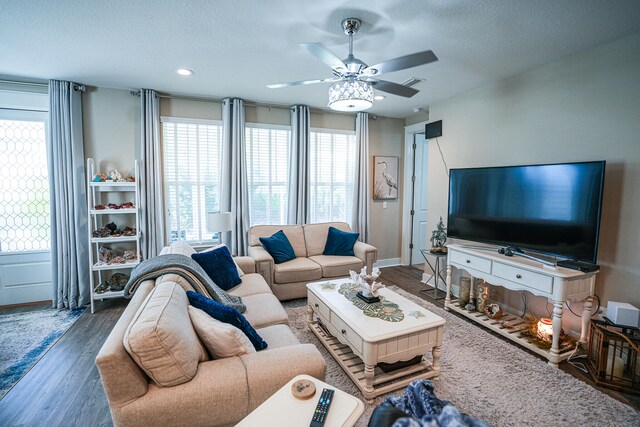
152, 222
68, 194
234, 194
360, 219
299, 166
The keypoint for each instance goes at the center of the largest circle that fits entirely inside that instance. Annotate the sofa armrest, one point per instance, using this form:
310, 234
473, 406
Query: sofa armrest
264, 262
216, 396
367, 253
246, 264
269, 370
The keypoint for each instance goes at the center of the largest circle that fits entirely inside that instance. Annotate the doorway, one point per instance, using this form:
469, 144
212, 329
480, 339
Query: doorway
25, 229
414, 236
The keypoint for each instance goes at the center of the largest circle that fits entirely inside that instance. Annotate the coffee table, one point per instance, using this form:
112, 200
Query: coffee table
364, 345
282, 409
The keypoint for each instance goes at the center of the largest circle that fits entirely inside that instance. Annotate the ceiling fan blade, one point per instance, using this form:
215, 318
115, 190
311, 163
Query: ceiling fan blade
394, 88
402, 63
323, 53
302, 83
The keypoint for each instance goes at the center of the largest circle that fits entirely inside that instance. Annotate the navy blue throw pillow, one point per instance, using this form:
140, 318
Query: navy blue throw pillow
278, 247
340, 242
219, 265
227, 315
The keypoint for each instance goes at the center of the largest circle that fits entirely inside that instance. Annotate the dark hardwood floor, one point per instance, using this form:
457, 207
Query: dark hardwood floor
64, 389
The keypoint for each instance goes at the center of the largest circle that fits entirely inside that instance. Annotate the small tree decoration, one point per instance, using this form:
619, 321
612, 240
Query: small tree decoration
439, 238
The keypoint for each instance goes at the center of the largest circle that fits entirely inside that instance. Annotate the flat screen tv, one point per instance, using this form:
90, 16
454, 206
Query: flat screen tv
553, 209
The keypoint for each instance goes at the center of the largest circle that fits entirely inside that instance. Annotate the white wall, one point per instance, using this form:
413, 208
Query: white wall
584, 107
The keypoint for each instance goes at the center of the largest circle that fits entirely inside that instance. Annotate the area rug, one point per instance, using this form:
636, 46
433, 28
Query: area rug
26, 337
491, 379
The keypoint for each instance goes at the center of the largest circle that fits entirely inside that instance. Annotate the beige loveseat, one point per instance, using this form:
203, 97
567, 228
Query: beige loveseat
288, 280
222, 391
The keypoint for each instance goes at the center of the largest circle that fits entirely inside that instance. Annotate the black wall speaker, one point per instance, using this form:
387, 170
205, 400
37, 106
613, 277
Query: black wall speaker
432, 130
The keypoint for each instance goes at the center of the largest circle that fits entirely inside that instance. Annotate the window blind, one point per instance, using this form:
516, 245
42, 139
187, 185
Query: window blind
267, 174
332, 170
192, 155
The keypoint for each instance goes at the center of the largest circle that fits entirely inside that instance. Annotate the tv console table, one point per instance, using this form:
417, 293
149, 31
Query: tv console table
557, 284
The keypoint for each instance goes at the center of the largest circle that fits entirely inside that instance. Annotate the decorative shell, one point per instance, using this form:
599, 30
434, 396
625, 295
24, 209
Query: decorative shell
493, 311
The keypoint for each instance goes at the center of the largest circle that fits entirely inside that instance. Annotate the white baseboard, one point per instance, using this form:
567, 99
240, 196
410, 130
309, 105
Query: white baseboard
389, 262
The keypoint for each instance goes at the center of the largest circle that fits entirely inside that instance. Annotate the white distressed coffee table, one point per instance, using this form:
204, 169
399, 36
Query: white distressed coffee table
282, 409
360, 343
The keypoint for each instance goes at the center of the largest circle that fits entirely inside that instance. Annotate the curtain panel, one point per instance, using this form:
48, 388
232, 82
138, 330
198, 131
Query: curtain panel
299, 166
360, 220
234, 188
68, 196
152, 213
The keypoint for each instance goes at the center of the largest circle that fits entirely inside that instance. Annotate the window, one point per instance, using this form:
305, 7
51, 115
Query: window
192, 161
332, 170
268, 173
24, 184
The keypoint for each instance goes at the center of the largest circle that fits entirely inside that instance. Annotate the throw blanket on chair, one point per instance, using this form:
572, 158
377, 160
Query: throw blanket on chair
186, 268
424, 409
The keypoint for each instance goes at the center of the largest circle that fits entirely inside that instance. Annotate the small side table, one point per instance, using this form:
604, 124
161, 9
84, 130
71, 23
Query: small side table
437, 268
282, 409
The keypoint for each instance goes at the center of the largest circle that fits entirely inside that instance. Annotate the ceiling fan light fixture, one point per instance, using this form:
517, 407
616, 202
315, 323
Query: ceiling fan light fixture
350, 95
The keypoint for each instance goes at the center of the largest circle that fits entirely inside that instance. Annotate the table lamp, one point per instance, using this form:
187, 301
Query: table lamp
219, 222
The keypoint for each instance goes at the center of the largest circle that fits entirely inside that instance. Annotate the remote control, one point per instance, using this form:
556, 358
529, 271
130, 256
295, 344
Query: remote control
320, 414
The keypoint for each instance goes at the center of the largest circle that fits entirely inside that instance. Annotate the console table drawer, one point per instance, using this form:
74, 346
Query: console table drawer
471, 261
527, 278
319, 306
346, 332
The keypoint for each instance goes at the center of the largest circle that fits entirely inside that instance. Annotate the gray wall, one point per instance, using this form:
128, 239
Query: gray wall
584, 107
112, 135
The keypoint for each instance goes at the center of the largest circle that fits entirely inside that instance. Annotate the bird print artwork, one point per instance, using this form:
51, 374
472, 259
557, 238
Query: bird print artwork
386, 178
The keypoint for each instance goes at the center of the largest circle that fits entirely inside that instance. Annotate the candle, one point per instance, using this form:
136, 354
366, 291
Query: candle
615, 365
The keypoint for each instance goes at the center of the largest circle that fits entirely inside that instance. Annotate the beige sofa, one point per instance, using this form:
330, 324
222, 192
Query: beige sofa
288, 280
223, 391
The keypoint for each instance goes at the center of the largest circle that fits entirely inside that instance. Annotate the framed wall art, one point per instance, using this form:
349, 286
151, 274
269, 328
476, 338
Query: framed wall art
385, 177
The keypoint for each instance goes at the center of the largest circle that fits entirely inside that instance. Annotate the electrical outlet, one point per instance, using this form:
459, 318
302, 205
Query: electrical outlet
384, 205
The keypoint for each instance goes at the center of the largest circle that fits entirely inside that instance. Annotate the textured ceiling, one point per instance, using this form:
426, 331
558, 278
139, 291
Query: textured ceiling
238, 47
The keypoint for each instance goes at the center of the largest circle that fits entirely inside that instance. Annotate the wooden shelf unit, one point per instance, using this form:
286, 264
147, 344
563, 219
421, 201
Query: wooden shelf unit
97, 192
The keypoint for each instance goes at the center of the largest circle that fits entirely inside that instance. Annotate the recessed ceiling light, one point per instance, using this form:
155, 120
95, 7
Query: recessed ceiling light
184, 72
379, 97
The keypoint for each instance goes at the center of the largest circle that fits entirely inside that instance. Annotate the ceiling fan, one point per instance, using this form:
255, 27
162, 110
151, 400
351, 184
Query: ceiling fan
353, 81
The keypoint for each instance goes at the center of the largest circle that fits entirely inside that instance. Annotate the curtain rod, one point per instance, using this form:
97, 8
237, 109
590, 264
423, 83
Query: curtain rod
76, 86
24, 83
135, 92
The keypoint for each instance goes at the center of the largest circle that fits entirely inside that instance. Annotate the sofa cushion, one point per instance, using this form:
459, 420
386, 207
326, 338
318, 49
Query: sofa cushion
297, 270
219, 266
293, 232
228, 315
180, 248
240, 272
278, 336
265, 310
340, 242
252, 284
161, 338
337, 266
278, 247
221, 339
315, 235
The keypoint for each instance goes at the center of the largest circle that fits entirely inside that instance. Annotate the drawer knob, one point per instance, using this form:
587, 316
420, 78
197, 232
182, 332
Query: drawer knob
343, 331
468, 261
316, 305
518, 276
